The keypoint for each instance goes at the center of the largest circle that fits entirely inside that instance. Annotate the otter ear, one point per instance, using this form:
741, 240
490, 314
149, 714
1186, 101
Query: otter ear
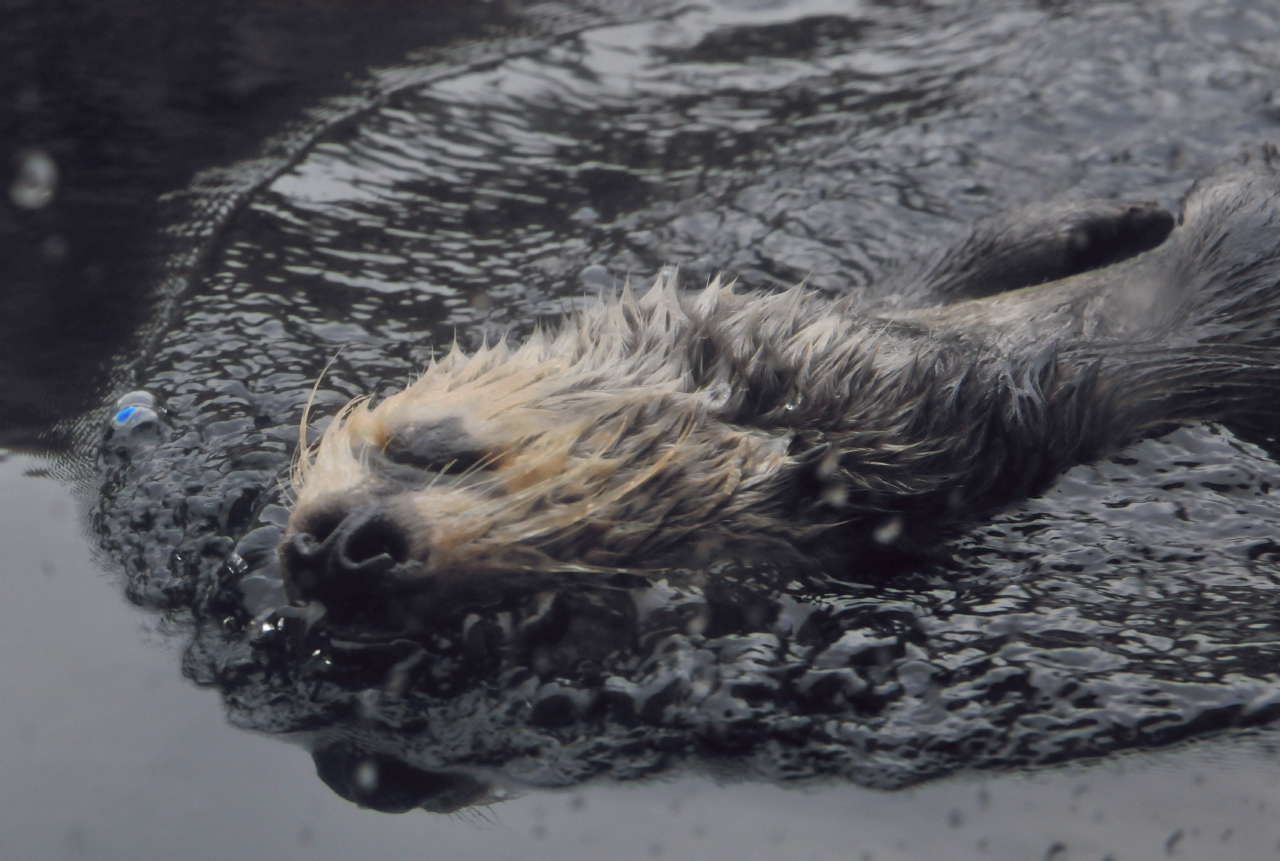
1034, 245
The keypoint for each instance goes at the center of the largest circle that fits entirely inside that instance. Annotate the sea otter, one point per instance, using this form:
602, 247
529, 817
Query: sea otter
674, 429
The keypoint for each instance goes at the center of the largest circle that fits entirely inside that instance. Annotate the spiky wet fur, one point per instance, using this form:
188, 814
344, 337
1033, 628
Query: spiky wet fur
684, 427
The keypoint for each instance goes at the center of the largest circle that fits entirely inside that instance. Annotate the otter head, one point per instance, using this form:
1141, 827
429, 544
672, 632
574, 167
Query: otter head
597, 450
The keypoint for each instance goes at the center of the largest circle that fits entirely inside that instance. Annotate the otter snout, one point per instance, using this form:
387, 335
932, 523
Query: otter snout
343, 559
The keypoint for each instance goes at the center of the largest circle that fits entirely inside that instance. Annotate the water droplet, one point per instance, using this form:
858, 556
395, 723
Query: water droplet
367, 776
587, 215
888, 532
36, 180
596, 278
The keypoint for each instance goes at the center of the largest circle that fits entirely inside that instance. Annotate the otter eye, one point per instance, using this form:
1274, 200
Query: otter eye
440, 447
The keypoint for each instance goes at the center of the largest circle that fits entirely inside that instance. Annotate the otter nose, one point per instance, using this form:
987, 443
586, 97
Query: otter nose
338, 563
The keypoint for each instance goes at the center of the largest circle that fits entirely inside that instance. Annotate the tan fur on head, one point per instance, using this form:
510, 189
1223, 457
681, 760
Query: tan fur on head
596, 445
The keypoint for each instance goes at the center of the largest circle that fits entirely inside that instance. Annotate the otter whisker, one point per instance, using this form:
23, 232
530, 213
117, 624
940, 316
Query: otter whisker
302, 454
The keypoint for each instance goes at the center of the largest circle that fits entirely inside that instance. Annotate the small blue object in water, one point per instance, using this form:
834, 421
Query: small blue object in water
132, 416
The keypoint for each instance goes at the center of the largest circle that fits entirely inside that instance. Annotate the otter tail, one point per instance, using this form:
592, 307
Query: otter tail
1226, 253
1211, 348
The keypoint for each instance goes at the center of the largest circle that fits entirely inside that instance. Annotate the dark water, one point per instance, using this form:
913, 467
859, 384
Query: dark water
130, 99
489, 185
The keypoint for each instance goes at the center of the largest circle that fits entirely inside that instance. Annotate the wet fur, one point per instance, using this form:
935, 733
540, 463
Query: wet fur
680, 428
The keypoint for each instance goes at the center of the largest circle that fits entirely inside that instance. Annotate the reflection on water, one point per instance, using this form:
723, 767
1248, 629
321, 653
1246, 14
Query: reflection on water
1132, 606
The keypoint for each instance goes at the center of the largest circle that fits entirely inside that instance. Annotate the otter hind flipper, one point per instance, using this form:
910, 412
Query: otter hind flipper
1037, 244
1206, 344
1227, 251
